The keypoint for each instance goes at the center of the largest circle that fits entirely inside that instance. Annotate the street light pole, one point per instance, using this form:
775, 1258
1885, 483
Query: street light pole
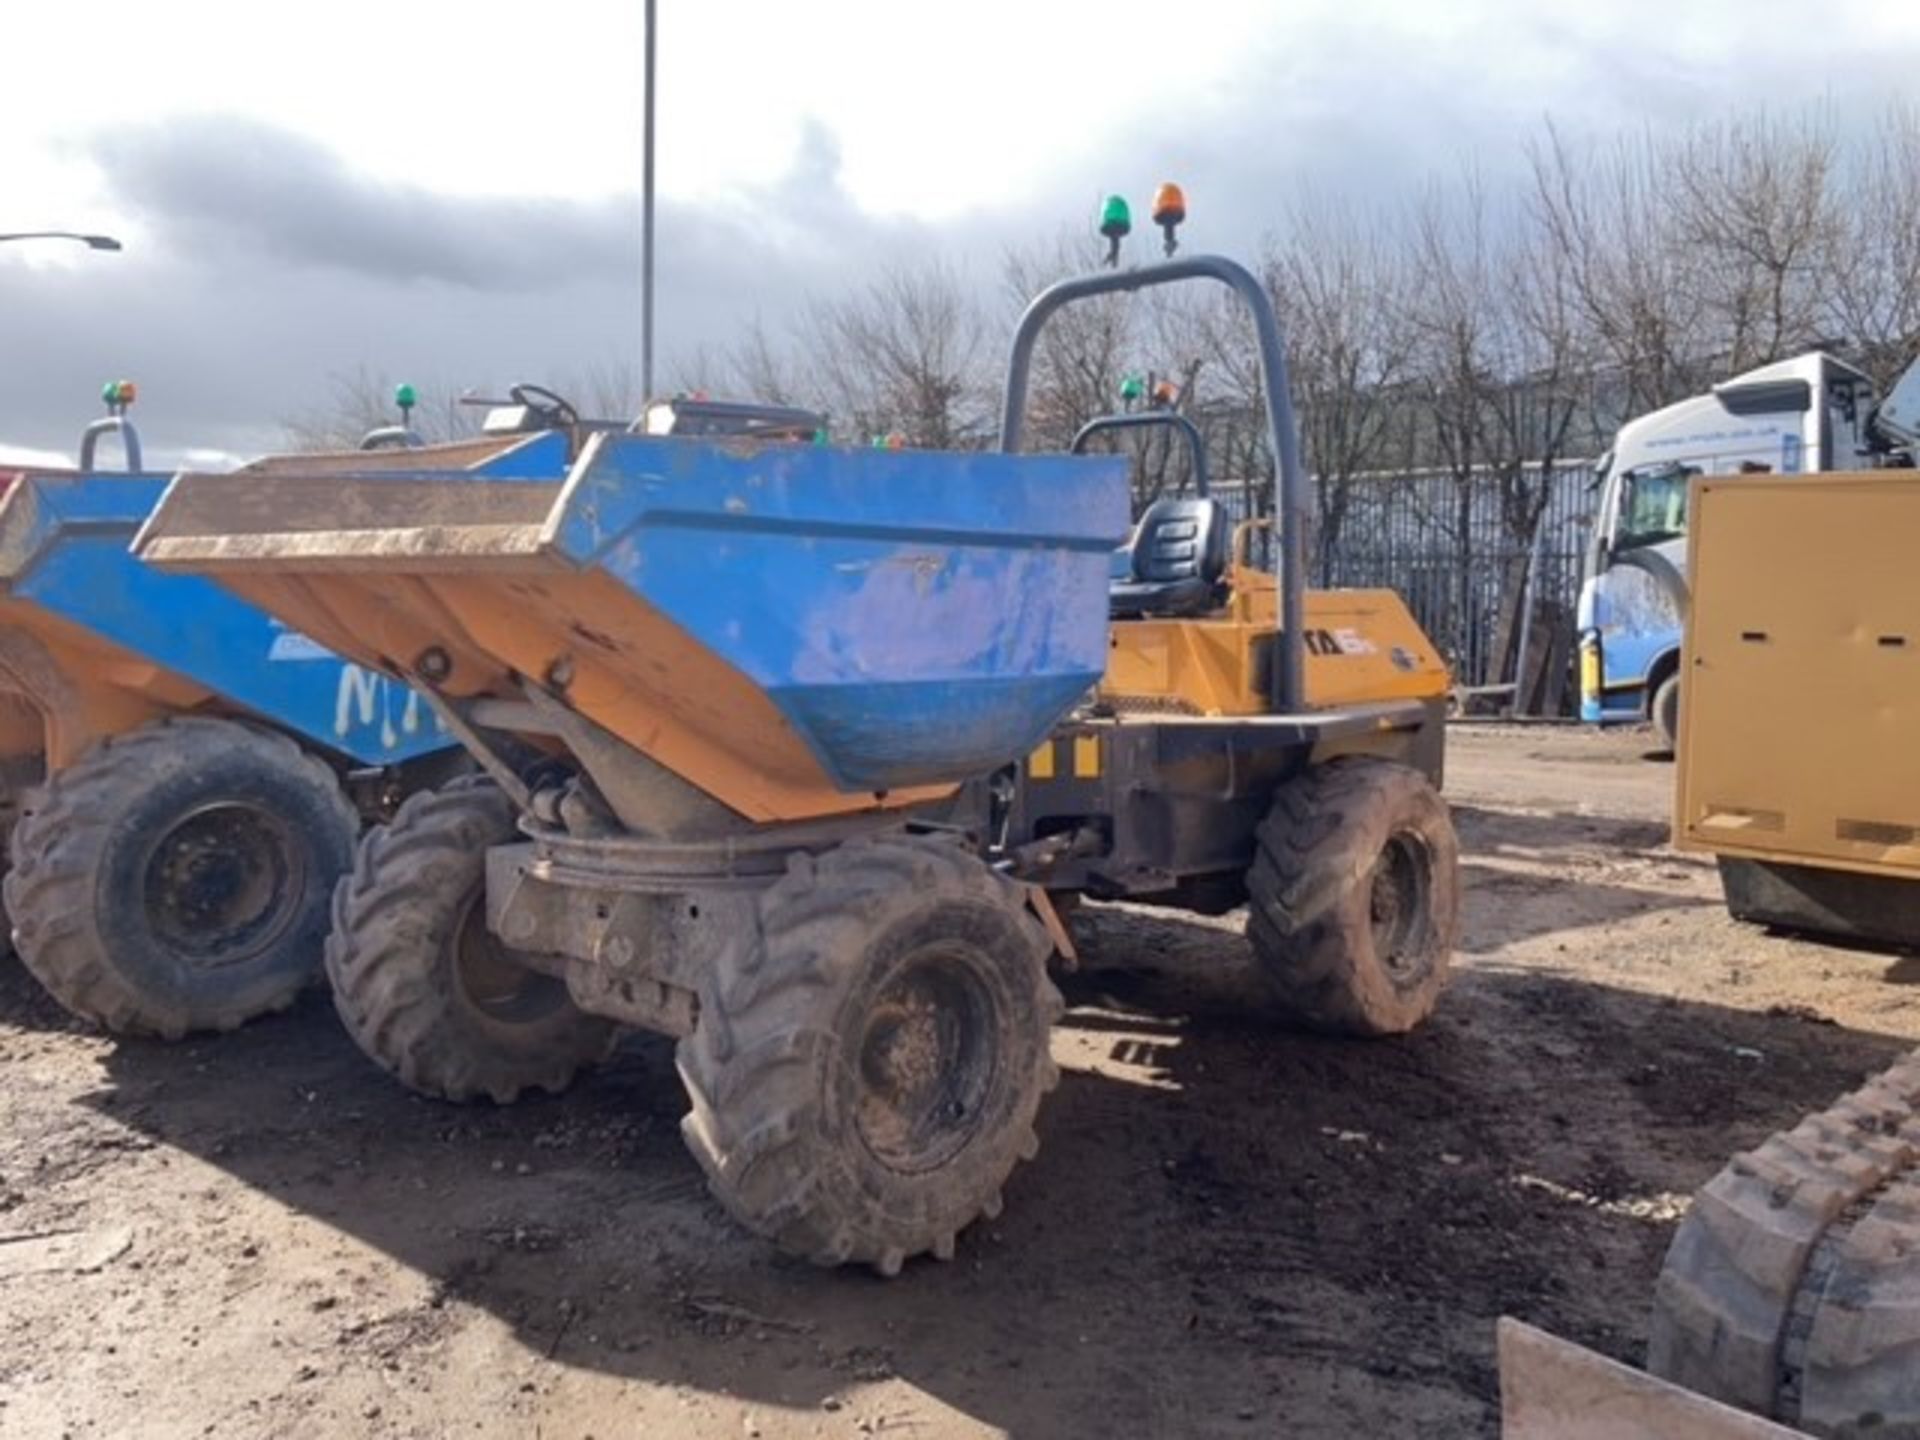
646, 221
92, 242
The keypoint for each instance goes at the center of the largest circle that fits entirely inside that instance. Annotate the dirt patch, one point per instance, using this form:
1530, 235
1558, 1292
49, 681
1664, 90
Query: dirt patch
1229, 1230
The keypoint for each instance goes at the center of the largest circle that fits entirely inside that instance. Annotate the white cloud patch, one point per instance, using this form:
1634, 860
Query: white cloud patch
26, 458
453, 203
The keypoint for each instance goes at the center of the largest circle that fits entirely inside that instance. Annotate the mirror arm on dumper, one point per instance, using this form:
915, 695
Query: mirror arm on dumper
1290, 481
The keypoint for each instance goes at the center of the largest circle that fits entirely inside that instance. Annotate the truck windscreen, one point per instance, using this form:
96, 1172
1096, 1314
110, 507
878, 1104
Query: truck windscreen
1653, 505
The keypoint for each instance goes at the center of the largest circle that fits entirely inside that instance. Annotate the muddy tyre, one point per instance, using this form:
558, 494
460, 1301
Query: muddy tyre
1666, 713
423, 987
176, 878
871, 1054
10, 806
1354, 898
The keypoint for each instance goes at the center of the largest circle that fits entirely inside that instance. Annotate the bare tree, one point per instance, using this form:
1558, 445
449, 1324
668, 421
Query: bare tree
606, 390
1609, 213
1874, 298
1085, 350
362, 400
1543, 360
1454, 311
703, 369
1339, 287
1753, 202
904, 352
1210, 327
756, 368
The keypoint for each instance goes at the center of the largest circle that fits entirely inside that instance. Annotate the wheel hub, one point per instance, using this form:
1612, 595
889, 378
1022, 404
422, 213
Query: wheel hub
1398, 905
498, 988
223, 883
925, 1062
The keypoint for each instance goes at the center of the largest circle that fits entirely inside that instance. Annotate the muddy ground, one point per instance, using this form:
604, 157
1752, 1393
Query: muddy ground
1229, 1230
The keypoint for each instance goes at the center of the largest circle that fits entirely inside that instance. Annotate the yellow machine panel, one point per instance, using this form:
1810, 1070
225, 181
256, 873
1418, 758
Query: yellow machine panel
1362, 646
1801, 698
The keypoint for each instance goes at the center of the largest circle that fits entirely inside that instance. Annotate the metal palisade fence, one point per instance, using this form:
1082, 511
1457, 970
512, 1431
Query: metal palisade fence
1402, 532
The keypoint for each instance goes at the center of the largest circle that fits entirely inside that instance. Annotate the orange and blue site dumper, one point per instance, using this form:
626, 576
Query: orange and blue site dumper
798, 630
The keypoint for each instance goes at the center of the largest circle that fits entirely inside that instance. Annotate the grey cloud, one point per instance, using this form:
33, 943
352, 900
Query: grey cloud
219, 185
262, 264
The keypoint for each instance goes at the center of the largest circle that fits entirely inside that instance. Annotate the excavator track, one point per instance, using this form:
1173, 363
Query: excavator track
1792, 1289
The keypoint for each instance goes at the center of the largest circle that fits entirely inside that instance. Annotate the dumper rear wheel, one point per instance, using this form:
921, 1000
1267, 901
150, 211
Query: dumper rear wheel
1354, 898
176, 878
423, 986
870, 1057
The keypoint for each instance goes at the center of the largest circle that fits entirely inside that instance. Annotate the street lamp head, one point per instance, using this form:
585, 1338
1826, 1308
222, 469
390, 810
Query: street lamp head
92, 242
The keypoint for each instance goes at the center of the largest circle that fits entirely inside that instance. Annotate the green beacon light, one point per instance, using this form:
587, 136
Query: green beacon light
1116, 220
406, 399
1132, 388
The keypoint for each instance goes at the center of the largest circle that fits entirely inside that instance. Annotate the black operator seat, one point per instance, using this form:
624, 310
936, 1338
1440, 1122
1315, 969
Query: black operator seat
1179, 555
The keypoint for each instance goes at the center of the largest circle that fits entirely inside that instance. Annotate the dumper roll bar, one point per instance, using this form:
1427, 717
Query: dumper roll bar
393, 437
1289, 480
111, 425
1146, 420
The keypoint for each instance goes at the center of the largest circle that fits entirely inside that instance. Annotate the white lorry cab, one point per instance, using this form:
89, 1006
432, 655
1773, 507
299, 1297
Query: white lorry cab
1810, 413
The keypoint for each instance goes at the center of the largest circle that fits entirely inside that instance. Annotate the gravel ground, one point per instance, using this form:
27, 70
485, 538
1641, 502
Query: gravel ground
1230, 1230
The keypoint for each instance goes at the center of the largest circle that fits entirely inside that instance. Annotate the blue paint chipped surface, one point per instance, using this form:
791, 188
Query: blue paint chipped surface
916, 616
66, 539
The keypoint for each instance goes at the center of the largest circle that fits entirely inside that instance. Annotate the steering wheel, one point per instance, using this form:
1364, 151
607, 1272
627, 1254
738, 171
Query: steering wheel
538, 397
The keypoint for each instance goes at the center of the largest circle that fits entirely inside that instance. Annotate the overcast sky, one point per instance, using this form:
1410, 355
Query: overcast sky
447, 192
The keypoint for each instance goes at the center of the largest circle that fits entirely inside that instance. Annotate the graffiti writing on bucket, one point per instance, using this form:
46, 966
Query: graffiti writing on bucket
367, 698
364, 700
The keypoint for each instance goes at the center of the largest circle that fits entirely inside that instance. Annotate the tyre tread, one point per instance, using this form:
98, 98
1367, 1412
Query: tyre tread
747, 1094
56, 848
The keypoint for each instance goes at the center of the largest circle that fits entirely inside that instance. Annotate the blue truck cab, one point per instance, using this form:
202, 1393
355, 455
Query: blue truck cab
1808, 413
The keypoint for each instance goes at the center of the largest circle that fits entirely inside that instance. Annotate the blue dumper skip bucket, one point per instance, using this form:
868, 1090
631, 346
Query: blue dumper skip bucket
797, 629
76, 603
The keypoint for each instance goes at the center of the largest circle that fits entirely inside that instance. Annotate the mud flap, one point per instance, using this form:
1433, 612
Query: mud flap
1042, 906
1551, 1389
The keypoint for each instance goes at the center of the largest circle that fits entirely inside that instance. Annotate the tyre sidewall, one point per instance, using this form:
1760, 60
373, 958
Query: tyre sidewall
1409, 811
1000, 959
394, 966
526, 1048
773, 1068
309, 822
1313, 935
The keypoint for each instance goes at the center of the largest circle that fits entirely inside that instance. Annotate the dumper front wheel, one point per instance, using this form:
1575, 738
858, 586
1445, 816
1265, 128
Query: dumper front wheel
175, 878
423, 986
1354, 898
870, 1057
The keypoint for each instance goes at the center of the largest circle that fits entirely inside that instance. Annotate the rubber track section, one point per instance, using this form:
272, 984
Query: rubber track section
1792, 1288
